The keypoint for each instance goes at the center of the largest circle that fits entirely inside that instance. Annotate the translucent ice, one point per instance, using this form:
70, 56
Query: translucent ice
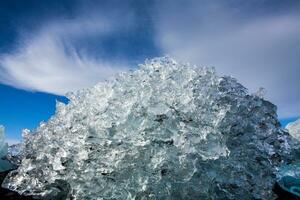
3, 145
294, 129
288, 176
165, 131
4, 164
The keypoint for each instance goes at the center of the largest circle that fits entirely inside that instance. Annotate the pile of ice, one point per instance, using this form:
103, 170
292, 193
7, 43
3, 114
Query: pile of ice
4, 164
165, 131
294, 129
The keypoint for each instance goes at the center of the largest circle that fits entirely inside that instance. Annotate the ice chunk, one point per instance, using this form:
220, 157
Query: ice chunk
288, 179
3, 145
4, 164
13, 154
294, 129
165, 131
288, 176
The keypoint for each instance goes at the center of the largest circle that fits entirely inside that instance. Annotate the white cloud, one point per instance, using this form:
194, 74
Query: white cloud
49, 62
259, 50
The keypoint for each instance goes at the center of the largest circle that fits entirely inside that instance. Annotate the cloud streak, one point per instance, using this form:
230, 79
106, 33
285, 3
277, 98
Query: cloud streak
258, 49
49, 61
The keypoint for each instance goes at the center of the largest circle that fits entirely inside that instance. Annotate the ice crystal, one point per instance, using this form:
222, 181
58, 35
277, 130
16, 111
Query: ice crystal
165, 131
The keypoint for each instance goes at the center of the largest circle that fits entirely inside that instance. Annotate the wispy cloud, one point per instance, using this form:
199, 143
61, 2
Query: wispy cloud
257, 42
48, 61
258, 48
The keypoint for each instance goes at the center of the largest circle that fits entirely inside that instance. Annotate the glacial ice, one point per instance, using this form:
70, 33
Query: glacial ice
288, 176
3, 145
294, 129
164, 131
4, 164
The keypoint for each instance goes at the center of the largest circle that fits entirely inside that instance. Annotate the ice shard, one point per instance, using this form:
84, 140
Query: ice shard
164, 131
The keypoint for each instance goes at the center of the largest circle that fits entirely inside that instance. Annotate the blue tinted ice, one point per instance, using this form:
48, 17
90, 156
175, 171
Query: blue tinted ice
4, 164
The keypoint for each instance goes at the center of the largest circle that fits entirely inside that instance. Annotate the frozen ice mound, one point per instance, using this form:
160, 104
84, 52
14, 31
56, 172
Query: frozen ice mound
294, 129
165, 131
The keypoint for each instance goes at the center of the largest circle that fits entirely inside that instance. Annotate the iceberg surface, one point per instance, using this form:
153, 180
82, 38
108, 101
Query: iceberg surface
164, 131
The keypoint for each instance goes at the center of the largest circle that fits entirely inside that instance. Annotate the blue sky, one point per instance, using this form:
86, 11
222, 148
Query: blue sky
50, 47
